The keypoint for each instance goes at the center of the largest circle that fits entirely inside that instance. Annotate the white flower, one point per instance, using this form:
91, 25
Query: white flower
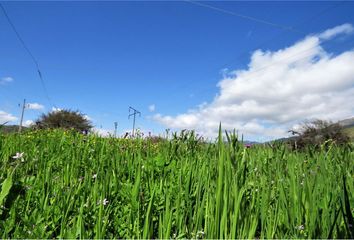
200, 234
301, 227
18, 156
94, 176
104, 202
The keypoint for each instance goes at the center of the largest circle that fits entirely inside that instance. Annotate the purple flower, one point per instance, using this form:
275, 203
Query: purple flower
248, 145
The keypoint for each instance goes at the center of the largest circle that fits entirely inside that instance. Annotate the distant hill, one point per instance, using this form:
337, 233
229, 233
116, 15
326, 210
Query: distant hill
347, 123
349, 131
348, 127
10, 128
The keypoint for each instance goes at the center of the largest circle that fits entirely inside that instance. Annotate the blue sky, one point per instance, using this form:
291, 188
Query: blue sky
102, 57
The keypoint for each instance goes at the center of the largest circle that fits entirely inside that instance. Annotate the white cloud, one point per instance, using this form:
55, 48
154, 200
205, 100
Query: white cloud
88, 118
35, 106
152, 108
341, 29
278, 89
28, 123
55, 109
6, 117
5, 80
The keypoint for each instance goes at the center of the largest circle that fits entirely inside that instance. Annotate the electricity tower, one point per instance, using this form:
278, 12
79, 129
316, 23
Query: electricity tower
135, 112
115, 129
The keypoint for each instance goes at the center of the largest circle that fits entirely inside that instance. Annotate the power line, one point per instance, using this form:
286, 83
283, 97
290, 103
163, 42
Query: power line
258, 20
29, 53
279, 35
242, 54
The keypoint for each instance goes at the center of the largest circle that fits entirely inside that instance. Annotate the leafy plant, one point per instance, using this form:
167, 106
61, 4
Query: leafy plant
76, 186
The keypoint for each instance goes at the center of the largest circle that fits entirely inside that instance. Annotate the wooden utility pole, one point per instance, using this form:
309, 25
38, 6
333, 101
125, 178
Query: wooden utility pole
115, 129
135, 112
22, 113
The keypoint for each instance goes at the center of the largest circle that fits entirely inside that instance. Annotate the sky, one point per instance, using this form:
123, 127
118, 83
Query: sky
261, 68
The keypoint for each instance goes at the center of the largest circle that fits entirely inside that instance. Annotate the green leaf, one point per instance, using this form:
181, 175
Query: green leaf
5, 189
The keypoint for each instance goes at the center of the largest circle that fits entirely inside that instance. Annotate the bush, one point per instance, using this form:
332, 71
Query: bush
319, 132
66, 119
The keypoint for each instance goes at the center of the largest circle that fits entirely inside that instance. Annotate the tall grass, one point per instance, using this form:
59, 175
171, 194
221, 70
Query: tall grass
67, 185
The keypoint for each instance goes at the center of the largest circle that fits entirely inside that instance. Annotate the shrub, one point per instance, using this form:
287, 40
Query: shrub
66, 119
318, 132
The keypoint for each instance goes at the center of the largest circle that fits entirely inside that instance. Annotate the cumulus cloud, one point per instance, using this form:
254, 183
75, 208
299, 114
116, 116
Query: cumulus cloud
278, 89
152, 108
35, 106
6, 80
6, 117
55, 109
28, 123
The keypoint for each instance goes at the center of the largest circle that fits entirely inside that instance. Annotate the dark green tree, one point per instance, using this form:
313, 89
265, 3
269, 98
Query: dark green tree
66, 119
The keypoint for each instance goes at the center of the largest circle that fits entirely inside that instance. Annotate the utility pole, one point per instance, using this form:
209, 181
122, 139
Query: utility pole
23, 111
135, 112
115, 129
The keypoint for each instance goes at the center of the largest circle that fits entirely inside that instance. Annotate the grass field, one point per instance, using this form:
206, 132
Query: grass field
350, 132
67, 185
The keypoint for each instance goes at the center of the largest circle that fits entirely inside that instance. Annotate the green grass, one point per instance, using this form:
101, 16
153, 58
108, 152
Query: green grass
350, 132
71, 186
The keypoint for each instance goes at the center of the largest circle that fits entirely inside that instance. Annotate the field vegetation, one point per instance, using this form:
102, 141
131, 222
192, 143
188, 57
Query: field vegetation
62, 184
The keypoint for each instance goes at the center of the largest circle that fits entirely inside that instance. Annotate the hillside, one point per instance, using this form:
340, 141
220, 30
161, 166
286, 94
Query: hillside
349, 131
348, 126
10, 128
347, 123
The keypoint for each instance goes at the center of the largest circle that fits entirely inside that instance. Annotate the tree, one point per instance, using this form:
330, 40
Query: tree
318, 132
66, 119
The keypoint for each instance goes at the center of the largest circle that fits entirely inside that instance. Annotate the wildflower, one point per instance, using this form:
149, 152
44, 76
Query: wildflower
81, 178
94, 176
174, 235
255, 169
200, 234
18, 156
248, 145
301, 227
104, 202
